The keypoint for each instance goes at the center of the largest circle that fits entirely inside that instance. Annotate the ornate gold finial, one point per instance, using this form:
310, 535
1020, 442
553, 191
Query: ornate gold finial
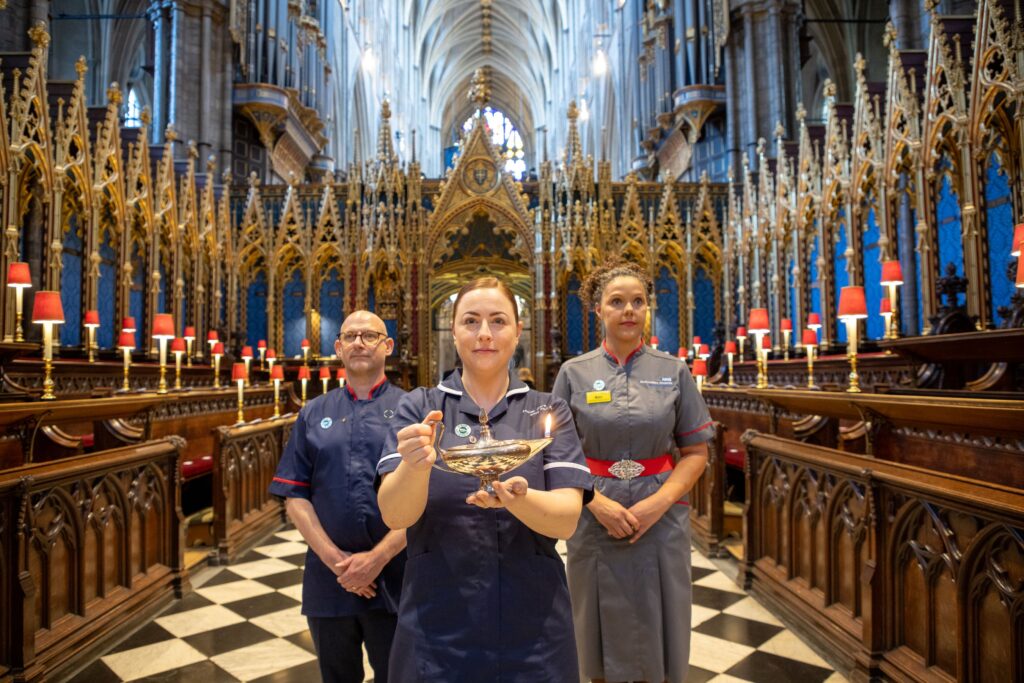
889, 35
211, 164
193, 151
385, 109
829, 88
146, 117
480, 89
573, 112
114, 93
81, 67
801, 113
254, 180
170, 134
226, 176
780, 130
39, 35
859, 63
930, 5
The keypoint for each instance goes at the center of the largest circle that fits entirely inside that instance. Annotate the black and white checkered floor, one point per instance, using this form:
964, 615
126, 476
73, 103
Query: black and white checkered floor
242, 623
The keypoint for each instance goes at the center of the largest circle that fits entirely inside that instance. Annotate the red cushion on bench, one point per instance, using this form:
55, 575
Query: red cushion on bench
735, 457
88, 440
197, 467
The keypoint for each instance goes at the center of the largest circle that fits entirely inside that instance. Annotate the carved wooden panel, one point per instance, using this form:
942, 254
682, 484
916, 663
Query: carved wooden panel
899, 572
707, 499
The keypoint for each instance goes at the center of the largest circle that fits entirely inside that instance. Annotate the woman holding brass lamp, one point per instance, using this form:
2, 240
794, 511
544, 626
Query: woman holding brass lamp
485, 594
644, 428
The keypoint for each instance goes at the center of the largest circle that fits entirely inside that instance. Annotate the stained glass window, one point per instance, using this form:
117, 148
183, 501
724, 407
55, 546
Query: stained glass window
132, 110
667, 325
506, 138
999, 229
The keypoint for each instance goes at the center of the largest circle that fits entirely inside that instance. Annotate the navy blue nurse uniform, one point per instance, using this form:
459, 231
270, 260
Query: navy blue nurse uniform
330, 460
485, 597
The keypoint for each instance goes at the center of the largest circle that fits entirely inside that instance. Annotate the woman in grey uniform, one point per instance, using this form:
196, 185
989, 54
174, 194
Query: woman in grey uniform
644, 428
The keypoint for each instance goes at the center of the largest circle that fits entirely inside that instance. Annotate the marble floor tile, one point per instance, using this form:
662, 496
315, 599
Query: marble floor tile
749, 608
285, 622
262, 659
698, 560
152, 659
290, 535
283, 549
720, 581
762, 666
264, 567
699, 614
236, 590
786, 644
293, 592
228, 638
715, 654
199, 620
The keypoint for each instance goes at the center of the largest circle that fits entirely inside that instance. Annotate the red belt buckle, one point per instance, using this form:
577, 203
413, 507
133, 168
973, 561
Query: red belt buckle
627, 469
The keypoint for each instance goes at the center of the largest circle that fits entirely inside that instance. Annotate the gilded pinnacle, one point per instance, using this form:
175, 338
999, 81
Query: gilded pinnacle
39, 35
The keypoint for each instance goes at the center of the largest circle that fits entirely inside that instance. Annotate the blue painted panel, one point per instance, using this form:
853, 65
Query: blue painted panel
666, 291
105, 335
950, 233
137, 298
595, 327
814, 280
71, 287
703, 305
293, 309
574, 318
872, 276
842, 279
332, 310
999, 227
371, 298
256, 310
391, 325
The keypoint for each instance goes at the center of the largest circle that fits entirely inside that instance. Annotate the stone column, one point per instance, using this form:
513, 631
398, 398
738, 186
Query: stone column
156, 15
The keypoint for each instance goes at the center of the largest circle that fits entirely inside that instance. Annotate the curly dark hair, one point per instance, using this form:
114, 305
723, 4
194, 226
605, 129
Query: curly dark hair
616, 266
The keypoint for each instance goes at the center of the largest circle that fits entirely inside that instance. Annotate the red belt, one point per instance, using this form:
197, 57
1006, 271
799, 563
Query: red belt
629, 469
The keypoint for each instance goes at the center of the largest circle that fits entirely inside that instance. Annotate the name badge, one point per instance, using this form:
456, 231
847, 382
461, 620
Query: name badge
599, 397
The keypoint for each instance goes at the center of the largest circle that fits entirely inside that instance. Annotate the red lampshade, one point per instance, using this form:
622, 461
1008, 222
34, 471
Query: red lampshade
277, 372
261, 344
1020, 271
128, 324
325, 372
759, 320
730, 347
304, 372
885, 308
218, 349
341, 373
700, 368
892, 273
766, 342
92, 319
654, 341
178, 345
190, 332
704, 351
18, 274
852, 303
126, 340
271, 354
813, 321
47, 308
696, 341
212, 336
682, 352
741, 332
1018, 239
305, 343
787, 324
810, 337
238, 373
163, 326
247, 352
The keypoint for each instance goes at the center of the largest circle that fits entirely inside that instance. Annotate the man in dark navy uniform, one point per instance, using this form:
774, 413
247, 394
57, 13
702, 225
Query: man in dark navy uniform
353, 575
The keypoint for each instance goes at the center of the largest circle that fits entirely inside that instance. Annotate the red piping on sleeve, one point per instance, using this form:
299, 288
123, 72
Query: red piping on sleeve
289, 481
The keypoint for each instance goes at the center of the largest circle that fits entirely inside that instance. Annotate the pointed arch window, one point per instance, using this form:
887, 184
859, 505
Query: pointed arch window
133, 110
506, 138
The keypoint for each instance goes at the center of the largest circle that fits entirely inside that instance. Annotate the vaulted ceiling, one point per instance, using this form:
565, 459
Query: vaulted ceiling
516, 40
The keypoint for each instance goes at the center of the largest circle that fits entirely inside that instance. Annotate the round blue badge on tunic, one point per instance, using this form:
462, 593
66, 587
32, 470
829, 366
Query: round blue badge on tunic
326, 423
462, 430
598, 384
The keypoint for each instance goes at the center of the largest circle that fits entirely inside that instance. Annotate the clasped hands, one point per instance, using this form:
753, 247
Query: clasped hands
357, 572
633, 522
416, 446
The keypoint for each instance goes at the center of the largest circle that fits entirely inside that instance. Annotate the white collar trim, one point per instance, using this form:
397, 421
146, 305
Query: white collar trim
449, 390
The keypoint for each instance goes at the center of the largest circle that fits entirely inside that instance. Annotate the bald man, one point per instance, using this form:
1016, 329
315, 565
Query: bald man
350, 587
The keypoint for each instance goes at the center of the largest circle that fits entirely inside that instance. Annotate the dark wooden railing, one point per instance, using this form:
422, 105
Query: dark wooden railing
245, 459
707, 499
895, 570
90, 547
